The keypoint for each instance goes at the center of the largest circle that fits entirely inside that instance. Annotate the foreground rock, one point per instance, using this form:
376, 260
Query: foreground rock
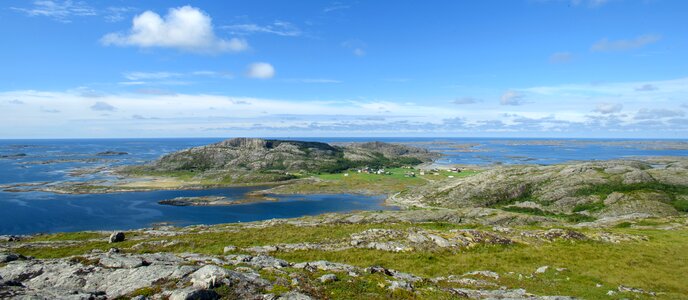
192, 276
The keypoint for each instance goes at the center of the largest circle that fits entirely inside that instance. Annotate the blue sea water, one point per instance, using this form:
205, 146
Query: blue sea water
52, 161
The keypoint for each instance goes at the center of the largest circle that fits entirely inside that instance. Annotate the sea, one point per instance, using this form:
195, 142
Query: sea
29, 162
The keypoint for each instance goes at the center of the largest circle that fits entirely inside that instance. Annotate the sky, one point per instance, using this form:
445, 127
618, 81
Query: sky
489, 68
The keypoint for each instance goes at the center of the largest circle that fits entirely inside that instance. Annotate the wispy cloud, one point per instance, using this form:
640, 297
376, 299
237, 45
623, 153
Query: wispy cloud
335, 6
608, 108
660, 113
65, 11
560, 57
606, 45
185, 28
102, 106
61, 11
466, 100
646, 88
280, 28
512, 98
356, 46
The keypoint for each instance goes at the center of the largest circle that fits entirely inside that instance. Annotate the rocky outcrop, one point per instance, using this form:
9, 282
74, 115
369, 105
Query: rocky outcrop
259, 160
580, 190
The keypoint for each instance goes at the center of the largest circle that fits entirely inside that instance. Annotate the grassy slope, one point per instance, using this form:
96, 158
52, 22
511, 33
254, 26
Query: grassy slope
654, 265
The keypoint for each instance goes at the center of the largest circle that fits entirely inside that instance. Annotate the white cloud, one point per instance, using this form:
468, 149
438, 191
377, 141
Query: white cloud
334, 6
61, 11
185, 28
102, 106
150, 75
653, 114
512, 98
260, 70
466, 100
606, 45
280, 28
608, 108
646, 88
357, 46
560, 57
116, 14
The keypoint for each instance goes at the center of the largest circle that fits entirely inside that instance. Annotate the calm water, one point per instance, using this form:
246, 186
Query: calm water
52, 161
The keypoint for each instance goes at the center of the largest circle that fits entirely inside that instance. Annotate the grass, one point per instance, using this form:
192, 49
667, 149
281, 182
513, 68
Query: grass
590, 206
572, 218
651, 265
673, 191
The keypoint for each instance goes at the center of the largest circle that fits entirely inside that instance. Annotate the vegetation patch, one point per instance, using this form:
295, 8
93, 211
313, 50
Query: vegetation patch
673, 191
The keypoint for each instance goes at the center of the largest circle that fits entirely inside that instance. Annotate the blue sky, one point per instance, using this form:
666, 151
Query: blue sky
519, 68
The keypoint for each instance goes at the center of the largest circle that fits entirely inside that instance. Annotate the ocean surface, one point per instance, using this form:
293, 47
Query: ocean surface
41, 161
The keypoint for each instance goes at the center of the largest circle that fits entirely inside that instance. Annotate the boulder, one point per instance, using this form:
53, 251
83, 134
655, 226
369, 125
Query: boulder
117, 237
327, 278
194, 294
209, 276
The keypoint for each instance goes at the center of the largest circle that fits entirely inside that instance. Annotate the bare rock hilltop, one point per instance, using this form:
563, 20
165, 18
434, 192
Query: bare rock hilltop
263, 160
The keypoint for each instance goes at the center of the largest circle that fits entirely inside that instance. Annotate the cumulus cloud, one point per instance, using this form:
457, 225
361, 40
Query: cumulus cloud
466, 100
102, 106
653, 114
512, 98
560, 57
185, 28
280, 28
646, 88
606, 45
260, 70
608, 108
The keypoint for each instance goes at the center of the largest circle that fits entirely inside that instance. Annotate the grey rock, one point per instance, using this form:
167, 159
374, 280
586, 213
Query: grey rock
542, 270
209, 276
194, 294
327, 278
263, 261
294, 296
326, 266
399, 284
229, 248
489, 274
116, 237
439, 241
120, 261
8, 257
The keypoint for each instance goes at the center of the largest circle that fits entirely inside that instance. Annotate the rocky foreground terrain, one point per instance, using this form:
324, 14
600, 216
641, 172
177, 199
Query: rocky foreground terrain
437, 254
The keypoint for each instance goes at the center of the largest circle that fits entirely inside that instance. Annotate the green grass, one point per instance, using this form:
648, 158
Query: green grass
651, 265
572, 218
673, 191
590, 206
68, 236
